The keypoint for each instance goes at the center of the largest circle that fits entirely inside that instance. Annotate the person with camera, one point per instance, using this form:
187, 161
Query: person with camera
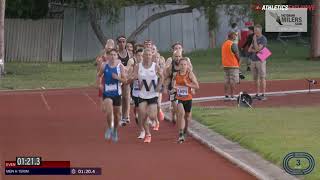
230, 63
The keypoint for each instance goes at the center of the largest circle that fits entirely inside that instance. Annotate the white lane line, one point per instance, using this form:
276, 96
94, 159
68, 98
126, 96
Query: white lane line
86, 94
45, 101
219, 98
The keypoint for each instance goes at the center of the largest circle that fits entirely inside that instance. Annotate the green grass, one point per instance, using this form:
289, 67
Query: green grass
58, 75
271, 132
206, 64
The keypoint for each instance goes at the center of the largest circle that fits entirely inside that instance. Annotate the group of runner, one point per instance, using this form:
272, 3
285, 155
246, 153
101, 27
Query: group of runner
128, 71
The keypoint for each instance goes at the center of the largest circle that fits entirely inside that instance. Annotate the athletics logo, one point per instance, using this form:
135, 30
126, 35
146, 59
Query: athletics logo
284, 7
298, 163
276, 17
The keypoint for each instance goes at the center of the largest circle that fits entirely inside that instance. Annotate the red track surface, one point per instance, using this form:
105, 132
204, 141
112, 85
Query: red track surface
72, 128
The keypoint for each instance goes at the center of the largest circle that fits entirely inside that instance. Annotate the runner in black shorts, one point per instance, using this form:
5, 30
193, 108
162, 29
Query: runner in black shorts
113, 75
135, 88
184, 80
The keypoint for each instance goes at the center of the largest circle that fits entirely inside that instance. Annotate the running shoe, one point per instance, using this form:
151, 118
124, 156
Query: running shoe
115, 137
156, 127
108, 133
127, 120
123, 122
147, 139
142, 135
181, 138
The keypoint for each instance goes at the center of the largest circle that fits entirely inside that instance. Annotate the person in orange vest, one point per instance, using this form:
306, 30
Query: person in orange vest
231, 63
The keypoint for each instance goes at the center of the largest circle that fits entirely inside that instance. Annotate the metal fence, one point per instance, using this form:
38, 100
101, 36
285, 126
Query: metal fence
72, 38
80, 43
33, 40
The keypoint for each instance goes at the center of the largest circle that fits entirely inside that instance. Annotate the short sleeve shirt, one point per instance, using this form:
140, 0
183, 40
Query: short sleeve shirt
261, 40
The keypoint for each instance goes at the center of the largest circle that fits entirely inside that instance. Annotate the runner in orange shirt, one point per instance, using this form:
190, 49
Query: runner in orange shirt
184, 80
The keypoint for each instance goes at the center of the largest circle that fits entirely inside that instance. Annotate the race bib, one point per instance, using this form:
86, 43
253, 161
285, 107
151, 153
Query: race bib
182, 91
110, 87
136, 86
172, 97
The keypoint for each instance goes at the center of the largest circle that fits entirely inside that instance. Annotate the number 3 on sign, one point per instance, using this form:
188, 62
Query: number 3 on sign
298, 162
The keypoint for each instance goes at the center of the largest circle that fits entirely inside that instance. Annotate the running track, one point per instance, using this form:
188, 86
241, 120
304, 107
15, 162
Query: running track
68, 125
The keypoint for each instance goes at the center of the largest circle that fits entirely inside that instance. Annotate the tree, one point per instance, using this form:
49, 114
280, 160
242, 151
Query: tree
2, 14
99, 7
315, 34
26, 9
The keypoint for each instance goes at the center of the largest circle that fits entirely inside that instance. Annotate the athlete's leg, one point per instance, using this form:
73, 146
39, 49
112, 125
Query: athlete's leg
117, 116
173, 111
181, 121
152, 114
188, 115
138, 119
160, 113
180, 117
143, 117
108, 110
152, 111
126, 102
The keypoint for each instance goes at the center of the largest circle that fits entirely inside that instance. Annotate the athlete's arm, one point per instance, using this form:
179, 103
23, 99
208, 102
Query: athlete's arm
160, 75
98, 62
130, 66
194, 82
130, 63
100, 74
134, 74
167, 74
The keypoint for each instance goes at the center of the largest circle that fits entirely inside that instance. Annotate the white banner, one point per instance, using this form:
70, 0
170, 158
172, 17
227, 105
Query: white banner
291, 20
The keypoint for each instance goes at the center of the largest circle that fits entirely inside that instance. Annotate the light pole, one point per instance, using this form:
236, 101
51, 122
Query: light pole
2, 15
315, 34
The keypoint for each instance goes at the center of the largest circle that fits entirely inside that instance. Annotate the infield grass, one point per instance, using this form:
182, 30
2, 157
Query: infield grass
270, 132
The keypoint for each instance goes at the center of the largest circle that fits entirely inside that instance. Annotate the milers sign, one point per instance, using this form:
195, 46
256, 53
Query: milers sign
291, 20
